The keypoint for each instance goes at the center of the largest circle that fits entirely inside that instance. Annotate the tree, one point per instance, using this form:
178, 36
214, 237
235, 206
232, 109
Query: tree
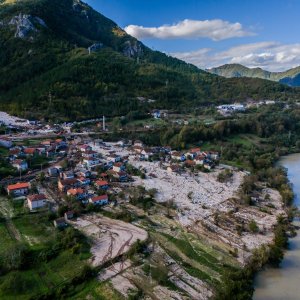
253, 226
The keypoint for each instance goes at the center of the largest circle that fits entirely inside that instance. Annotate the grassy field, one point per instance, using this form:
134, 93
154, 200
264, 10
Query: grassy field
3, 151
46, 276
6, 240
35, 229
94, 290
37, 232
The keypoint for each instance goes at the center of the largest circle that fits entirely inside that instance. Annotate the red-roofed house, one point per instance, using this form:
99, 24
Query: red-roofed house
102, 184
18, 189
64, 185
118, 167
36, 201
79, 193
99, 200
30, 151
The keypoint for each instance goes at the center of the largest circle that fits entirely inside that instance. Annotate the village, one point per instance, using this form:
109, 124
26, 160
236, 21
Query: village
125, 192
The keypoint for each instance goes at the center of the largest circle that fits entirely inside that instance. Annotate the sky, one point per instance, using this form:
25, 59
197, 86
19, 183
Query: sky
210, 33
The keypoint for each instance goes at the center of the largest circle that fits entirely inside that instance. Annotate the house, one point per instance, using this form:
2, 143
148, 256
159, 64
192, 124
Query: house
84, 173
102, 184
5, 142
156, 114
30, 151
178, 156
194, 152
36, 201
50, 151
69, 215
91, 162
84, 181
200, 159
85, 148
90, 154
214, 155
190, 163
119, 167
66, 184
173, 169
60, 223
103, 176
138, 143
99, 200
18, 189
46, 143
120, 176
78, 193
208, 164
20, 164
146, 153
67, 175
114, 158
15, 152
54, 171
137, 149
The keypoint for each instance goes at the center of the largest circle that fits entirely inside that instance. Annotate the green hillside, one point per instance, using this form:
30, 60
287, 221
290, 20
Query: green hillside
46, 69
236, 70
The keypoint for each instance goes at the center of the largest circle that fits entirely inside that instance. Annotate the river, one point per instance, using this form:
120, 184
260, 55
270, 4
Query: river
284, 283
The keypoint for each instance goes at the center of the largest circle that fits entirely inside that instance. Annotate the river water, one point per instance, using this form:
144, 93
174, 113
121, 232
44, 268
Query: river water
284, 283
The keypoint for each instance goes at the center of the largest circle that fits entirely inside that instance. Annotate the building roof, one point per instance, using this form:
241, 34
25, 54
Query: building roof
69, 181
75, 192
90, 152
99, 198
85, 146
18, 161
36, 197
14, 151
18, 186
119, 164
200, 157
29, 150
101, 182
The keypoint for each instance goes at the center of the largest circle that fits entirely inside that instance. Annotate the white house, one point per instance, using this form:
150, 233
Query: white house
114, 158
36, 201
91, 162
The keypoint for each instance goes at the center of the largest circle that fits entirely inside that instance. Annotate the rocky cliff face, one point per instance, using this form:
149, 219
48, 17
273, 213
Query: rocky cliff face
132, 49
26, 25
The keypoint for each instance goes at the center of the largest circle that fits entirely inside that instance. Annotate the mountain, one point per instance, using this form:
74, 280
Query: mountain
60, 59
290, 77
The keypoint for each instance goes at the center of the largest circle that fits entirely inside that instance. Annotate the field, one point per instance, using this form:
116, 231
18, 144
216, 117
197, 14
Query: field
36, 232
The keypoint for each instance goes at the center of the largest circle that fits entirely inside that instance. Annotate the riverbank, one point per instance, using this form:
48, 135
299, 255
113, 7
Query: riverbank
282, 283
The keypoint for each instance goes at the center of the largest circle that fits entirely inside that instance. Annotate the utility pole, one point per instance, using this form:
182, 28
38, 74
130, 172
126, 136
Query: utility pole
103, 123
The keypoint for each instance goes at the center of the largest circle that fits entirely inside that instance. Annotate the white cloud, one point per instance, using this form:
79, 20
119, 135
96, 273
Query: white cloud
267, 55
191, 29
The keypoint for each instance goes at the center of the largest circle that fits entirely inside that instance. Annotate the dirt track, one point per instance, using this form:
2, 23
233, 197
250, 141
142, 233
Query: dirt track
111, 238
